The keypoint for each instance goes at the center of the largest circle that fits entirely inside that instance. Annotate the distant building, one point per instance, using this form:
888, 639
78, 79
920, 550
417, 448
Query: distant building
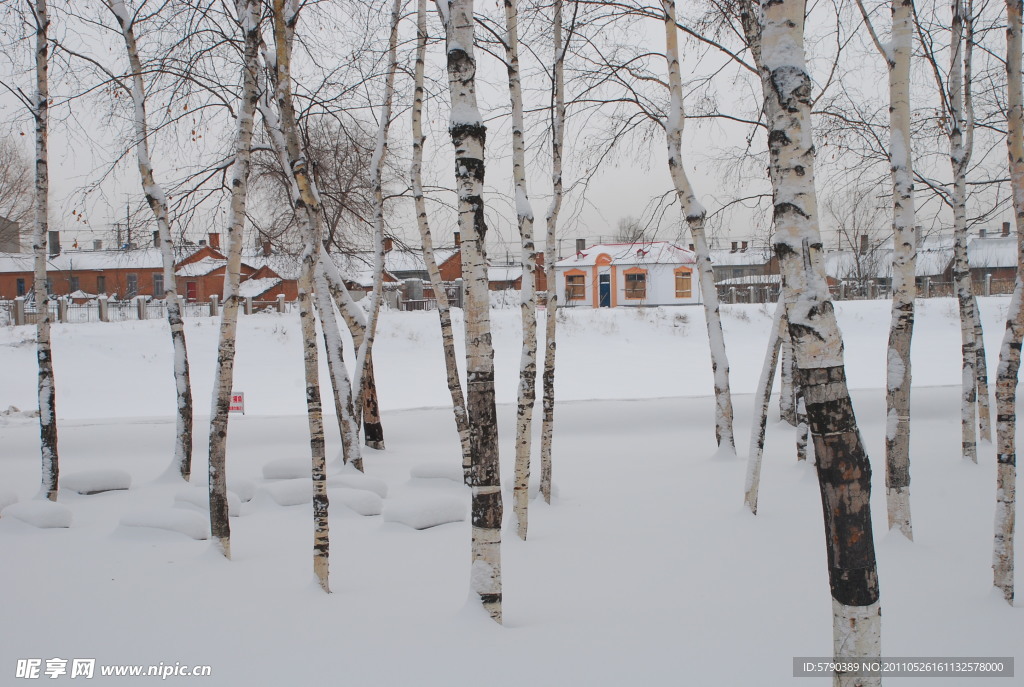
10, 236
610, 275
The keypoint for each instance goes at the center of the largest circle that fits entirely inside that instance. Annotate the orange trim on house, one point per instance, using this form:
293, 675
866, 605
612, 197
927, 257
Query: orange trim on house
615, 284
574, 273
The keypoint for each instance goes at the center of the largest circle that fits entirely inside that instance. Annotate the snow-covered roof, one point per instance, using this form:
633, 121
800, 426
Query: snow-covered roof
647, 253
932, 259
504, 272
750, 256
286, 266
200, 268
252, 288
356, 268
1000, 251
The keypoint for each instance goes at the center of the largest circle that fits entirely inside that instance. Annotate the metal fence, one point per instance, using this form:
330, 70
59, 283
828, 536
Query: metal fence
19, 311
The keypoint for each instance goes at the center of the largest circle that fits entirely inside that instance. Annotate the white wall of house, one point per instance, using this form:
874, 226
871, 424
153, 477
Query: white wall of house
660, 285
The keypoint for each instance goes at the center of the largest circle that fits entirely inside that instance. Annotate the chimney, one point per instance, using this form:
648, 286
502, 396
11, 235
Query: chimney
743, 246
214, 240
982, 233
389, 243
458, 239
863, 244
581, 245
266, 248
156, 239
97, 245
1006, 228
735, 246
54, 243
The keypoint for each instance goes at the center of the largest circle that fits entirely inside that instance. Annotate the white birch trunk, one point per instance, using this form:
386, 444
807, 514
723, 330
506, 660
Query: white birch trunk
762, 400
787, 395
307, 202
694, 213
249, 22
844, 471
157, 200
984, 407
363, 355
44, 353
528, 305
468, 133
551, 253
959, 156
440, 295
1009, 354
904, 258
344, 403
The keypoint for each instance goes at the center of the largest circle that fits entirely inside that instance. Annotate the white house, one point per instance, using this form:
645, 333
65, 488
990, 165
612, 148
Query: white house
611, 275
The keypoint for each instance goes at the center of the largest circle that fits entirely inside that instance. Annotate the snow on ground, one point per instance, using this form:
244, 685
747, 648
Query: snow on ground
645, 571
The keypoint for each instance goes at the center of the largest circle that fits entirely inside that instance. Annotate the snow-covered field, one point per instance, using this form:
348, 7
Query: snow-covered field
646, 570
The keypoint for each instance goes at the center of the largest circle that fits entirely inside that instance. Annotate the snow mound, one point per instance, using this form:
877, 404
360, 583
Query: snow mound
357, 480
200, 498
7, 497
293, 492
287, 468
438, 471
96, 481
424, 513
362, 502
245, 489
186, 522
40, 513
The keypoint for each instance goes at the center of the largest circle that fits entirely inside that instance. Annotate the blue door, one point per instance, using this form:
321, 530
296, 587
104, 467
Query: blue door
604, 282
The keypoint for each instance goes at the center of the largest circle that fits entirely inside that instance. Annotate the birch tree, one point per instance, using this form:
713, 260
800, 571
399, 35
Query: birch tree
844, 471
468, 134
762, 399
380, 150
695, 215
285, 19
248, 13
1009, 354
904, 258
440, 295
528, 302
551, 250
158, 204
40, 109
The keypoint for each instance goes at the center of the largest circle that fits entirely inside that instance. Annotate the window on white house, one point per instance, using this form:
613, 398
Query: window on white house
575, 288
636, 285
684, 285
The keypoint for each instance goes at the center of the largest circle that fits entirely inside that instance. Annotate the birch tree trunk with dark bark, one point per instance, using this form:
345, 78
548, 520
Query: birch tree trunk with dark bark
844, 471
762, 400
440, 295
468, 136
695, 214
46, 386
897, 53
551, 252
248, 13
528, 304
157, 200
961, 128
1009, 354
307, 204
